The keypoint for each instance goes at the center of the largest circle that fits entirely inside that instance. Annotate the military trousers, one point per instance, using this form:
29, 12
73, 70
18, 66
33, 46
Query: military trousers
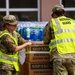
8, 72
64, 66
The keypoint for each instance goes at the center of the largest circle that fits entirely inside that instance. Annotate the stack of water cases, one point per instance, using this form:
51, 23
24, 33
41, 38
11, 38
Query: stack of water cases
37, 56
31, 30
37, 61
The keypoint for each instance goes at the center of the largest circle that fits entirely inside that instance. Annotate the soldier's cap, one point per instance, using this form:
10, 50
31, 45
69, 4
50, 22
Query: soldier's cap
10, 19
57, 8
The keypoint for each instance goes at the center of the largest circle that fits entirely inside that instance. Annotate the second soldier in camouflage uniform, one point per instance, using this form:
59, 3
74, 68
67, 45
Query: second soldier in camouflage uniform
63, 64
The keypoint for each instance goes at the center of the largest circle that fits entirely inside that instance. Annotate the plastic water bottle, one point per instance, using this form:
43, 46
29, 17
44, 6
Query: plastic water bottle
28, 33
36, 32
19, 28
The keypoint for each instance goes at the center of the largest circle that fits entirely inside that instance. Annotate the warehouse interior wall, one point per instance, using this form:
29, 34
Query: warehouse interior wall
46, 9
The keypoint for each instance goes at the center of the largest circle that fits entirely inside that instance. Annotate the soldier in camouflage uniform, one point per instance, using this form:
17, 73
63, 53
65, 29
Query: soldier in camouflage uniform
63, 63
7, 45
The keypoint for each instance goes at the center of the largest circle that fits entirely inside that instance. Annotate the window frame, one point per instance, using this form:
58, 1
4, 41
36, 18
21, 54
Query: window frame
8, 10
68, 8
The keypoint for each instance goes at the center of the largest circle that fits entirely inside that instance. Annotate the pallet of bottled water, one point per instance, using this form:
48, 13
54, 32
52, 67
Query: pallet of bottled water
31, 30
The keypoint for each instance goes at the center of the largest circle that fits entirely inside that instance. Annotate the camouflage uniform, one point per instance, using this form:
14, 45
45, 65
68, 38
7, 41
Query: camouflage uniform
7, 46
63, 64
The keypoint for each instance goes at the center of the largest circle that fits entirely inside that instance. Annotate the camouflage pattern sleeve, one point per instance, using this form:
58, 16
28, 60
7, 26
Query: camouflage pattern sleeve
21, 40
48, 31
7, 45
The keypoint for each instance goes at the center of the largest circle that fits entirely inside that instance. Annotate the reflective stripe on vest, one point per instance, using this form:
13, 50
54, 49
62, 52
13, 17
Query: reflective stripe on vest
64, 30
63, 40
10, 59
60, 40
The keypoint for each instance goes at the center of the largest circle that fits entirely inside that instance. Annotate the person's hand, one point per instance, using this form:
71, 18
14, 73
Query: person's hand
29, 43
33, 43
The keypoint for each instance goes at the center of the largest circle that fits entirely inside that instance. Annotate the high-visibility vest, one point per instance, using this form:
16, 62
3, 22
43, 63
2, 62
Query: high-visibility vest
10, 59
64, 31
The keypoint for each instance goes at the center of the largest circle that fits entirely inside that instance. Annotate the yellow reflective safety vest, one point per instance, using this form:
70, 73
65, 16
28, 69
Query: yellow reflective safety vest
64, 31
10, 59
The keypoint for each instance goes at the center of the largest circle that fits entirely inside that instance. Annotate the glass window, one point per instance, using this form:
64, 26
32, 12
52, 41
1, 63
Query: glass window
69, 8
2, 14
70, 14
24, 9
68, 3
2, 4
25, 16
23, 3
